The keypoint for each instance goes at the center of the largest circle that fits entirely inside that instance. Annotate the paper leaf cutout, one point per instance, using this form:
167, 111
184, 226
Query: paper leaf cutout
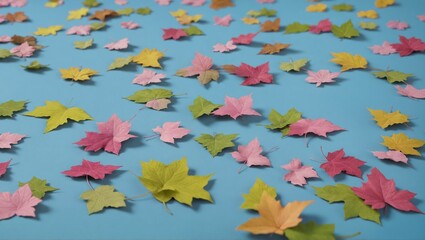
384, 49
202, 106
216, 143
81, 30
397, 25
148, 77
96, 26
349, 61
93, 169
323, 26
7, 139
219, 4
319, 7
173, 33
118, 45
223, 21
5, 53
16, 17
320, 127
367, 14
395, 156
410, 91
173, 181
343, 7
146, 95
39, 187
20, 203
252, 199
311, 230
77, 14
384, 3
296, 27
103, 197
110, 136
297, 173
322, 76
271, 26
103, 15
250, 154
263, 12
401, 142
346, 30
170, 131
24, 50
229, 46
235, 107
58, 114
83, 44
274, 218
125, 11
193, 30
129, 25
244, 39
9, 108
408, 46
337, 163
34, 65
393, 76
273, 48
293, 65
91, 3
250, 20
149, 58
252, 75
52, 30
385, 119
77, 74
194, 3
158, 104
120, 62
282, 122
201, 66
144, 11
368, 25
379, 191
3, 167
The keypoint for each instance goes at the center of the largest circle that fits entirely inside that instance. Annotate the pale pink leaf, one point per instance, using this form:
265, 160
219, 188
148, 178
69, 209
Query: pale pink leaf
18, 3
397, 25
320, 127
2, 17
7, 139
223, 21
4, 3
244, 39
158, 104
118, 45
298, 173
173, 33
130, 25
229, 46
82, 30
410, 91
195, 3
234, 107
148, 77
20, 203
3, 167
121, 2
395, 156
163, 2
385, 49
170, 131
266, 1
251, 154
421, 18
200, 64
23, 50
322, 76
5, 39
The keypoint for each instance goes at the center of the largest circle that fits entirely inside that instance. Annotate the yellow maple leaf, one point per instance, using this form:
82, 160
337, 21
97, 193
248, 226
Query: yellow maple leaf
250, 20
187, 19
77, 14
273, 217
403, 143
77, 74
53, 3
367, 14
349, 61
385, 119
178, 13
320, 7
384, 3
48, 31
149, 58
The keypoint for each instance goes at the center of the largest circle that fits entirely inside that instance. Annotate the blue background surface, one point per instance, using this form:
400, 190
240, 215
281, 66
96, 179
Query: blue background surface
63, 215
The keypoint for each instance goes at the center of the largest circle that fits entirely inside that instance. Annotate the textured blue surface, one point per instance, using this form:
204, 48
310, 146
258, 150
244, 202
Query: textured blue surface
63, 214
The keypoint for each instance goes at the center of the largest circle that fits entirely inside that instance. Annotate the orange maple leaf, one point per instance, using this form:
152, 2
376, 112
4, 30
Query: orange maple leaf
217, 4
103, 14
271, 26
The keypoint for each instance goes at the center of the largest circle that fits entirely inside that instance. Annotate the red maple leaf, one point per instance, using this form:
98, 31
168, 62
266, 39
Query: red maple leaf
408, 46
92, 169
323, 26
244, 39
378, 191
337, 163
253, 75
173, 33
3, 167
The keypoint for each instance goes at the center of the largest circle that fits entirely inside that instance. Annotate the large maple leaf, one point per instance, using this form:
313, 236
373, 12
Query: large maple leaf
20, 203
7, 139
408, 45
237, 107
93, 169
379, 191
337, 162
201, 66
318, 126
171, 130
110, 136
252, 75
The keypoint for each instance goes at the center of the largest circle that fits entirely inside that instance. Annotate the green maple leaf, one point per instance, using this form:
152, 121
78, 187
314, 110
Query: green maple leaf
58, 114
293, 65
173, 181
7, 109
125, 11
216, 143
252, 199
296, 27
346, 30
311, 231
343, 7
83, 44
368, 25
143, 11
282, 122
38, 187
5, 53
193, 30
393, 76
34, 65
263, 12
91, 3
353, 205
146, 95
97, 26
102, 197
120, 62
202, 106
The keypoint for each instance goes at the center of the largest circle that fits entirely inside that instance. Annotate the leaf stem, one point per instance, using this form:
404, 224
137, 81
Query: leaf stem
88, 182
178, 95
152, 136
166, 208
321, 150
242, 168
275, 148
138, 196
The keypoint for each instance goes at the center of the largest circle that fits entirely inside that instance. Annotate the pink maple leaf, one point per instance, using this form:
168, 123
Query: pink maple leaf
79, 30
171, 130
379, 191
244, 39
18, 3
251, 154
234, 107
2, 17
111, 134
195, 3
20, 203
4, 3
229, 46
298, 173
118, 45
223, 21
7, 139
200, 64
253, 75
385, 49
410, 91
158, 104
392, 155
323, 26
265, 1
337, 163
148, 77
23, 50
163, 2
320, 127
130, 25
173, 33
3, 167
408, 46
121, 2
93, 169
5, 39
322, 76
421, 18
397, 25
